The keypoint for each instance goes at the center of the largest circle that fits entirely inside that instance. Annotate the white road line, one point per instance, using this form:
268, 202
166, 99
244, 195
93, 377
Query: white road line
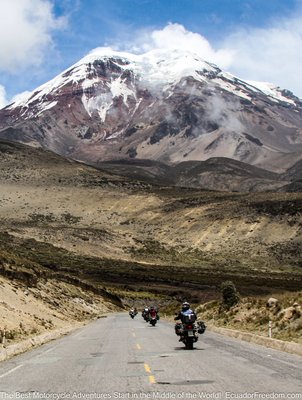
46, 351
78, 334
11, 370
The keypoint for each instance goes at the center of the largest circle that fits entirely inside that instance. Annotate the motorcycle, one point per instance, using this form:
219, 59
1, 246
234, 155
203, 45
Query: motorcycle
132, 313
188, 330
153, 317
145, 315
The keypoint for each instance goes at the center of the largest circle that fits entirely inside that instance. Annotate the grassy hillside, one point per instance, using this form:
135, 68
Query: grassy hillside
252, 314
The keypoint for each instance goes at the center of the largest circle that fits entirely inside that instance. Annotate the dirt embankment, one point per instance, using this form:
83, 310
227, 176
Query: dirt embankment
28, 311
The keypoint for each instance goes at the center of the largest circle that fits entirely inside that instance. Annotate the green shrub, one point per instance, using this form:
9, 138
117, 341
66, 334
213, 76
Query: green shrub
230, 296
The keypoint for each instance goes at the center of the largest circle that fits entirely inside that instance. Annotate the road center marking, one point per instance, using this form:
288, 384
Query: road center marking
133, 334
138, 346
148, 370
11, 370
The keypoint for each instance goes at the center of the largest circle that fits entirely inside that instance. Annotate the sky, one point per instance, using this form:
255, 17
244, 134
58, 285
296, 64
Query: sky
258, 40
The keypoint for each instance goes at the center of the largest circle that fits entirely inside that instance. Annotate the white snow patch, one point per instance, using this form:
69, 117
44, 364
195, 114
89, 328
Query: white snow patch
103, 111
100, 103
227, 85
136, 106
270, 90
119, 88
47, 106
115, 135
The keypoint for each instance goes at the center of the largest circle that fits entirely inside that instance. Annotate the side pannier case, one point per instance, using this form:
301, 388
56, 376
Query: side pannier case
201, 327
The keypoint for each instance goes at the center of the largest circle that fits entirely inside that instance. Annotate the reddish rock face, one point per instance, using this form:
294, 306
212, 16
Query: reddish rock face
164, 107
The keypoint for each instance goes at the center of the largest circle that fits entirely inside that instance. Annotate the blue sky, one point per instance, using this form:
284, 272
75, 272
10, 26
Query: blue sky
253, 39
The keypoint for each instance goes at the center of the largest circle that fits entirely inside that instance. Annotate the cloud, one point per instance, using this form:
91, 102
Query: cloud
3, 99
26, 33
176, 36
224, 113
20, 97
272, 54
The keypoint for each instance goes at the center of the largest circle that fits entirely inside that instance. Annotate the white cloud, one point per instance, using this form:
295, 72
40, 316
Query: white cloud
20, 97
175, 36
25, 33
272, 54
3, 99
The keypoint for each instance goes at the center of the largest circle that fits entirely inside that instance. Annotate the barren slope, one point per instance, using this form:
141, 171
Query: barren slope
113, 231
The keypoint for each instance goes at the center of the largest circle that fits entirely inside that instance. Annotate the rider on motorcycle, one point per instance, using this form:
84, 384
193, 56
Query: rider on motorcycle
185, 310
153, 311
145, 313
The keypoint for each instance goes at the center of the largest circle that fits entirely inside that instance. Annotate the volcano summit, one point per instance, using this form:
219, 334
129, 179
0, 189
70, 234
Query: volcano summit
167, 107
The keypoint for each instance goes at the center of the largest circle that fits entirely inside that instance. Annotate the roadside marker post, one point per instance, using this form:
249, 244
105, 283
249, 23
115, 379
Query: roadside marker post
269, 329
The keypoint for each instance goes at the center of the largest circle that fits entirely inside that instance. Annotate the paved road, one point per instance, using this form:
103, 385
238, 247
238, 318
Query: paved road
120, 358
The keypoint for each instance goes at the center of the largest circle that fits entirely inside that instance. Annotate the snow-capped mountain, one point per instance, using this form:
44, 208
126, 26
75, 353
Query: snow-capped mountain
168, 107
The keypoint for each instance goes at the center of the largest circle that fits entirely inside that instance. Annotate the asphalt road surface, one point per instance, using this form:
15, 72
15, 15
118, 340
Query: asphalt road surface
120, 358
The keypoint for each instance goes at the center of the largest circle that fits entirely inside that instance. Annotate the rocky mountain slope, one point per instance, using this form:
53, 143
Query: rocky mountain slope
169, 108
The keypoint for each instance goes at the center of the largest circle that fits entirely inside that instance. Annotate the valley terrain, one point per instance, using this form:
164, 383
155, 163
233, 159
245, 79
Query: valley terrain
67, 227
155, 178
